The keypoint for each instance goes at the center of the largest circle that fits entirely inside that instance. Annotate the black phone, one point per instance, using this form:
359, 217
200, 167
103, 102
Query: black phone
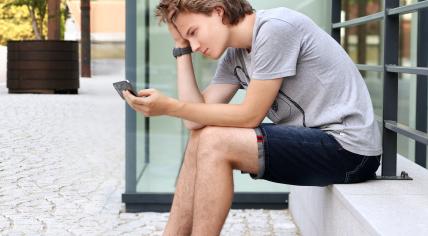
124, 85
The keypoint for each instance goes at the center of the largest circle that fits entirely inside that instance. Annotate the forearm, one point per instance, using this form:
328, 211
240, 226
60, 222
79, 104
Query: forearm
188, 90
187, 87
230, 115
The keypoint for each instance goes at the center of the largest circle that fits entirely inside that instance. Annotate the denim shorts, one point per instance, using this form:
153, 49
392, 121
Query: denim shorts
308, 157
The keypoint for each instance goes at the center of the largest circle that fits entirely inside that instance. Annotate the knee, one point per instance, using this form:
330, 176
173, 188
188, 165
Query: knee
213, 144
193, 140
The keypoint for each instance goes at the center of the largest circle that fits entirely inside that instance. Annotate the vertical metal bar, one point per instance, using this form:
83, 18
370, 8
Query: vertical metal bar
421, 87
335, 18
390, 89
131, 75
85, 35
147, 79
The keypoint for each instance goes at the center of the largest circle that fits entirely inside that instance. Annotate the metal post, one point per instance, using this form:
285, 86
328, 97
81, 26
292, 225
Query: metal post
85, 7
335, 18
390, 89
421, 88
147, 79
131, 118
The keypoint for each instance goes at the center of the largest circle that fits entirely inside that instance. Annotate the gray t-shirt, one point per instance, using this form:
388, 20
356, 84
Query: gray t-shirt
322, 88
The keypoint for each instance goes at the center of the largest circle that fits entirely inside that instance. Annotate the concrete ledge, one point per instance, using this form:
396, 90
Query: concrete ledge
372, 208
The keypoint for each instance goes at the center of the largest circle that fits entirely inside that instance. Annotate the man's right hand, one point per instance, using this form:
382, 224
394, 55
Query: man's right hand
179, 40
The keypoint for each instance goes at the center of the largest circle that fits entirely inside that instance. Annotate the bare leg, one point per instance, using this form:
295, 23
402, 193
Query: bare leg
220, 150
181, 215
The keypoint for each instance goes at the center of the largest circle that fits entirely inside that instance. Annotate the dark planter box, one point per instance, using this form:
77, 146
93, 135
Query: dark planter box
43, 66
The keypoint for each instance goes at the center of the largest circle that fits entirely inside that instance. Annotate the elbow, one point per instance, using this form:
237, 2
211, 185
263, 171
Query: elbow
252, 124
253, 121
252, 115
193, 126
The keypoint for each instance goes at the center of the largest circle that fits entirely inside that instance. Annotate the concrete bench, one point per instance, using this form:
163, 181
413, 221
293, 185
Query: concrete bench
380, 207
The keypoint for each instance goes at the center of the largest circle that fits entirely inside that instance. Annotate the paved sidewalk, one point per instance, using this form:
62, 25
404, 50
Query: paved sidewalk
62, 169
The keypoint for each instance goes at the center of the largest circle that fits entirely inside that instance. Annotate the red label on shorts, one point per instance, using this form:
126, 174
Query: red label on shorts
260, 138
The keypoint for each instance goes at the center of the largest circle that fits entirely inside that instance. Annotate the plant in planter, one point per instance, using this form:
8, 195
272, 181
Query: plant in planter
42, 66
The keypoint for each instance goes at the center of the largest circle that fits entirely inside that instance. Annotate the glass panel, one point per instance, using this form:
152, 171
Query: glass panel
407, 82
168, 136
352, 9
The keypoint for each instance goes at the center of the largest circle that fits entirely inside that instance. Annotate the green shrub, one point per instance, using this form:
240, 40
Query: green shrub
26, 20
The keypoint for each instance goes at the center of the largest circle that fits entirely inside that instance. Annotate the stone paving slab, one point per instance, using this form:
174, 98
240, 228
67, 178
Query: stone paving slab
62, 169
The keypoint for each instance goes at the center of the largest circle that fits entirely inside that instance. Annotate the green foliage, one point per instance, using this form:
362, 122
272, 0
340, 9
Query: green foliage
64, 15
15, 23
26, 20
37, 10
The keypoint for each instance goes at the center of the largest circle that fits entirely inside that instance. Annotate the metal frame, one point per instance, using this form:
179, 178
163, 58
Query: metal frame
390, 89
147, 79
161, 202
130, 116
407, 9
407, 70
370, 67
390, 16
421, 86
405, 130
360, 20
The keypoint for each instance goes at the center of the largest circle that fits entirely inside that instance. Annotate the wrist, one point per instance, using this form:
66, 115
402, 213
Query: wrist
182, 44
178, 52
174, 107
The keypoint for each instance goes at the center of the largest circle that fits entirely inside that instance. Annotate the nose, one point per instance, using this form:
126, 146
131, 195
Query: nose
194, 45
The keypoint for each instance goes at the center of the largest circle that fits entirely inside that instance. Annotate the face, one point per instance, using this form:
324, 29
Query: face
206, 34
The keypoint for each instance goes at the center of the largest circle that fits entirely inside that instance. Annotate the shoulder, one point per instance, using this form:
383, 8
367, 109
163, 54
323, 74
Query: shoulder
279, 20
271, 29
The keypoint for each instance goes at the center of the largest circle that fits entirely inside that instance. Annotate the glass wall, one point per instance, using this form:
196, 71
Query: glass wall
161, 141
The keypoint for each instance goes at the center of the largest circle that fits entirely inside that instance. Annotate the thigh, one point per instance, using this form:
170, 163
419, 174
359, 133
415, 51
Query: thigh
236, 145
302, 156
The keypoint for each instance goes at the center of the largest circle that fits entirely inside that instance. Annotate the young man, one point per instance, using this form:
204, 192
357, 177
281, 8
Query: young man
324, 130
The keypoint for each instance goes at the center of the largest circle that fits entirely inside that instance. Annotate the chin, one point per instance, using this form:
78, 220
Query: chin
216, 56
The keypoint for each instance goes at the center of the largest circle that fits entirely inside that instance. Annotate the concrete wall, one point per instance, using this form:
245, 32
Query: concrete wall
386, 207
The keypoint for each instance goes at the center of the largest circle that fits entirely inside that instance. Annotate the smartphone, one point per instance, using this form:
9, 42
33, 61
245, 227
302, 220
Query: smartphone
124, 85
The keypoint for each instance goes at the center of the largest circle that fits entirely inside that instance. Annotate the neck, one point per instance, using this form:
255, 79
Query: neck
241, 35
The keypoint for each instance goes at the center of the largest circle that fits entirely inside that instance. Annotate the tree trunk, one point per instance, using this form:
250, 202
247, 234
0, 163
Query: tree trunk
54, 19
34, 23
85, 35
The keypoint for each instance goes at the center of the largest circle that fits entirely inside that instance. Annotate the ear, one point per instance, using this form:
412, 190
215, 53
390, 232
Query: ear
218, 11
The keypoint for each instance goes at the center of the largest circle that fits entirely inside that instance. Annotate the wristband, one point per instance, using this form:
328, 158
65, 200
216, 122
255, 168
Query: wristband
176, 52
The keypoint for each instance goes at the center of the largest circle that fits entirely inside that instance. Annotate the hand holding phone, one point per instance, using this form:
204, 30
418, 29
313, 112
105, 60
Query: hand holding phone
124, 85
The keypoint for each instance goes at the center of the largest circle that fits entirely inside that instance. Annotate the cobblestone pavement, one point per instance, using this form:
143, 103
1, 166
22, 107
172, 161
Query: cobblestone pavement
62, 169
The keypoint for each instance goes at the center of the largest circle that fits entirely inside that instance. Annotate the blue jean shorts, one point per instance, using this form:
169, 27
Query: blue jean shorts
308, 157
